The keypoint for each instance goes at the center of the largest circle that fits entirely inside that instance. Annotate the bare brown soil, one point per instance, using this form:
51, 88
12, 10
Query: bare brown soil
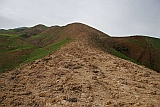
81, 75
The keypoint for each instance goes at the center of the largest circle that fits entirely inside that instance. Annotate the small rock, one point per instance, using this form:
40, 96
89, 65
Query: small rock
72, 99
42, 94
90, 99
47, 58
95, 70
108, 103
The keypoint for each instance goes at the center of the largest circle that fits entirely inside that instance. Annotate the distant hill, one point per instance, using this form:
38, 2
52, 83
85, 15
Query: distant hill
142, 49
22, 45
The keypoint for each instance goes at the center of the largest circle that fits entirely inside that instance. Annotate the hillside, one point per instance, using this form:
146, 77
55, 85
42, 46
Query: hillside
142, 49
80, 73
30, 44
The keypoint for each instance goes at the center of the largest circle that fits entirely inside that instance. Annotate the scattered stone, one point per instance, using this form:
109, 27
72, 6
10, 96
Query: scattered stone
72, 99
95, 70
47, 58
80, 75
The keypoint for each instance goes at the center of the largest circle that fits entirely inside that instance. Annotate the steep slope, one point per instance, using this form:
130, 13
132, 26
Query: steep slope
80, 74
142, 49
32, 43
28, 43
33, 31
11, 47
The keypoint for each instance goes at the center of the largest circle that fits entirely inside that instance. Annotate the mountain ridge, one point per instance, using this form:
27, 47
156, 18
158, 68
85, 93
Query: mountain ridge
41, 36
80, 74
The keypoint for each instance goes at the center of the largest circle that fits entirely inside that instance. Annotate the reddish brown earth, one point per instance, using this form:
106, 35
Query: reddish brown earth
82, 75
138, 48
33, 31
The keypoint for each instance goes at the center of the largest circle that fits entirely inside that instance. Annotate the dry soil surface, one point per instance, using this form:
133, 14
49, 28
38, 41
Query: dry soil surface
80, 75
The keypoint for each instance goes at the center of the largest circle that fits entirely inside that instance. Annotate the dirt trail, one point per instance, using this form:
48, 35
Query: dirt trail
83, 76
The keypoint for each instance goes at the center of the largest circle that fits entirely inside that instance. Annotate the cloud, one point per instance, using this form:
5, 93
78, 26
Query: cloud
6, 22
114, 17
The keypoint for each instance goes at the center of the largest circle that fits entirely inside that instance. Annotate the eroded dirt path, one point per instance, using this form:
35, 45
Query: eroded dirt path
83, 76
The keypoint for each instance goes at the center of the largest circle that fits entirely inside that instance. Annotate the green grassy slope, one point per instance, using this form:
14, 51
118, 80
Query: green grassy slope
13, 50
16, 50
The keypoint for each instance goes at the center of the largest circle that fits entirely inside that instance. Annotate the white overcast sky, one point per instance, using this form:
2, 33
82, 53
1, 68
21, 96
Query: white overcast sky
113, 17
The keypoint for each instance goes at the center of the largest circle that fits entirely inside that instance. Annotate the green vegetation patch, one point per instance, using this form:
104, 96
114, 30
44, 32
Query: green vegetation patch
155, 42
11, 59
120, 55
38, 36
19, 56
41, 52
10, 44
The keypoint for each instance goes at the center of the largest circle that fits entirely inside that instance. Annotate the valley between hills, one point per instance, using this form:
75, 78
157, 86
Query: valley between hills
77, 65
